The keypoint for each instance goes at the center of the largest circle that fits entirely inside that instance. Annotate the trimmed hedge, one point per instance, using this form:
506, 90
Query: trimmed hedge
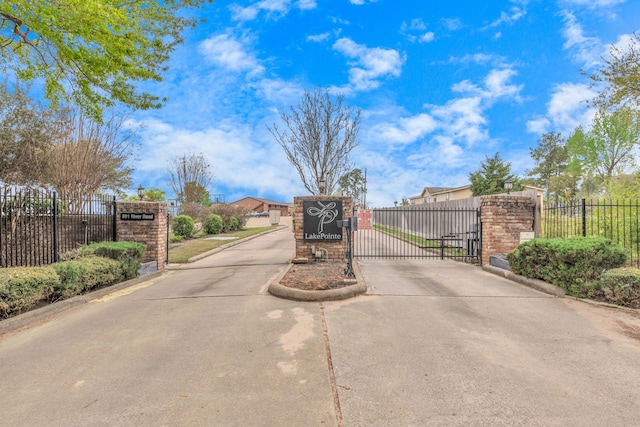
86, 274
128, 254
621, 286
574, 264
213, 224
85, 269
23, 287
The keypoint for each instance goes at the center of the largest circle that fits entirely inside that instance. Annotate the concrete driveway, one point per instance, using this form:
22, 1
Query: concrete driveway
433, 343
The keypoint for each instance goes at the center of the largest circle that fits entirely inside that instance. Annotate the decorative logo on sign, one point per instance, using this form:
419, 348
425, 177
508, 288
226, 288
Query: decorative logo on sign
320, 220
327, 214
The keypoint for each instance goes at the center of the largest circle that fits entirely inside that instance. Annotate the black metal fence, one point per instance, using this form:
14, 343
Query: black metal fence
37, 226
618, 220
419, 232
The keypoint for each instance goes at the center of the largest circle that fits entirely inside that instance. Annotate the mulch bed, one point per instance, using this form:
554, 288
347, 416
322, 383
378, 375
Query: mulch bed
316, 276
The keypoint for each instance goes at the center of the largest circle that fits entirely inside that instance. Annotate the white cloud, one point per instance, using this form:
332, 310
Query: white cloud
273, 8
481, 59
566, 110
592, 4
452, 24
586, 50
221, 146
405, 130
415, 31
515, 13
463, 120
369, 64
427, 37
361, 2
319, 37
230, 53
306, 4
496, 85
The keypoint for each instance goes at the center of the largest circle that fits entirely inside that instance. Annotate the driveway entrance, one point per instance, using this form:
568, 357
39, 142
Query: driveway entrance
418, 232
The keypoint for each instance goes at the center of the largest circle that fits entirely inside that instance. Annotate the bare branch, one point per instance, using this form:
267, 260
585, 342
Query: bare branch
319, 137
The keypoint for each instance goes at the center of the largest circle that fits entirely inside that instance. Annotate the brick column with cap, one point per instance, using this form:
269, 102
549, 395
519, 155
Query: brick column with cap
144, 222
503, 219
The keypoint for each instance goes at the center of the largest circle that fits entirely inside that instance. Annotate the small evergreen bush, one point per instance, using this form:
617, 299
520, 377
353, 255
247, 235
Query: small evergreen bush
234, 224
182, 225
213, 224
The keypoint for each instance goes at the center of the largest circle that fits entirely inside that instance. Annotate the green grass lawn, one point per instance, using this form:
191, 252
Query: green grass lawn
421, 241
193, 247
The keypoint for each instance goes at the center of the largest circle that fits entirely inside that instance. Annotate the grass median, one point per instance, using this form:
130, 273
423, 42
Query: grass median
190, 248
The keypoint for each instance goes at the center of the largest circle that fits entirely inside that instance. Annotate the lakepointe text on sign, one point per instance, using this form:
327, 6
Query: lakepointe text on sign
131, 216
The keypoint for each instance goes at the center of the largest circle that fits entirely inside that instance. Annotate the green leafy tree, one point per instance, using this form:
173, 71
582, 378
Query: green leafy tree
92, 53
551, 164
621, 75
491, 177
155, 195
625, 186
354, 185
607, 148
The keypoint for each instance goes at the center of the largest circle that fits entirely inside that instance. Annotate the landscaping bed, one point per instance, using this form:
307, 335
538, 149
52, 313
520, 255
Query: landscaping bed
316, 276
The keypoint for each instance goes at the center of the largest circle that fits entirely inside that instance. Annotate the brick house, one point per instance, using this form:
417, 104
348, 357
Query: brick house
259, 205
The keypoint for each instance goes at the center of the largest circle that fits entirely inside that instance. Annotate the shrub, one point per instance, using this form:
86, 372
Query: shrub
101, 272
128, 254
182, 225
227, 211
80, 252
573, 264
234, 224
175, 239
213, 224
23, 287
621, 286
71, 274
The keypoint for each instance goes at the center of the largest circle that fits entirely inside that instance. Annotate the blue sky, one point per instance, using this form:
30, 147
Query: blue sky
441, 85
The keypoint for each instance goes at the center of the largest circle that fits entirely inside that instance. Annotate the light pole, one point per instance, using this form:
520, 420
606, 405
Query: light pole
141, 192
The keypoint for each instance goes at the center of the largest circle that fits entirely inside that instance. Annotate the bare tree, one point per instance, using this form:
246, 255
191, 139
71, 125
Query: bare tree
319, 136
189, 177
88, 156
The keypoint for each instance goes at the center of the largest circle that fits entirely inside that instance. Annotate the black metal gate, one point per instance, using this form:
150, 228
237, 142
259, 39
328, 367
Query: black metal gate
37, 226
418, 232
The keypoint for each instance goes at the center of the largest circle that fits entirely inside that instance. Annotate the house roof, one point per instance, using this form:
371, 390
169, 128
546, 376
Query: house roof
261, 200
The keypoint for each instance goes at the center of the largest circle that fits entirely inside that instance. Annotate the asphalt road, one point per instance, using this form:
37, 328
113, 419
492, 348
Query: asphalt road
432, 343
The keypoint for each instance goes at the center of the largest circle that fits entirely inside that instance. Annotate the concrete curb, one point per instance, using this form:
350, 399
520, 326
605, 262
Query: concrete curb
350, 291
42, 313
548, 288
539, 285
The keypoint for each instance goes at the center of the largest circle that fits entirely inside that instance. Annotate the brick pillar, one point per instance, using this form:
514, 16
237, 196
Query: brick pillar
144, 222
503, 218
335, 248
